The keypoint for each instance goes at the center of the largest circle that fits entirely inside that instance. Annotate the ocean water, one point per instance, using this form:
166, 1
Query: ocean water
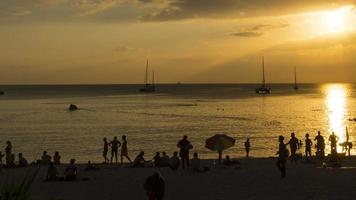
36, 118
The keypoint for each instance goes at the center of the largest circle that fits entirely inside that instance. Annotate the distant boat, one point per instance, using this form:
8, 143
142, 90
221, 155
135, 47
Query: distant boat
295, 79
148, 87
263, 89
73, 107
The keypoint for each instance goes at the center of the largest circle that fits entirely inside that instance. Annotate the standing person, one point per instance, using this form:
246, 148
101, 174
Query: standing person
247, 147
115, 144
105, 150
184, 146
124, 149
282, 156
155, 187
333, 141
56, 158
8, 152
320, 145
308, 146
294, 146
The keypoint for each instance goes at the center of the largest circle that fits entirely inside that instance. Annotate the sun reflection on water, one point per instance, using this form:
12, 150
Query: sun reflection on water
336, 100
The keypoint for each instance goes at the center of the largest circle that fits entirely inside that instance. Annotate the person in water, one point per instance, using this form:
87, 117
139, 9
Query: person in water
155, 187
308, 147
333, 142
320, 145
115, 144
282, 156
247, 147
8, 152
52, 173
22, 161
70, 173
124, 150
105, 150
184, 145
174, 161
294, 146
56, 158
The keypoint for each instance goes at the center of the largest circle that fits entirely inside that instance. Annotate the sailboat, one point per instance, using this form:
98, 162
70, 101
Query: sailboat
263, 89
295, 79
148, 87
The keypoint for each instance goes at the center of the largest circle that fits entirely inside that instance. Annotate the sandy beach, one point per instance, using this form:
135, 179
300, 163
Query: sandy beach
257, 178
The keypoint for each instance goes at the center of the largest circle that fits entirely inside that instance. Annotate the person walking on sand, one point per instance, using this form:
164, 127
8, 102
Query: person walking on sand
8, 152
282, 156
115, 144
105, 150
124, 150
308, 146
320, 145
294, 146
247, 147
333, 141
184, 146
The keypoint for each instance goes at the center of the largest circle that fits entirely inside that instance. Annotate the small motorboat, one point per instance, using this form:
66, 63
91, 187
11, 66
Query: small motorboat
73, 107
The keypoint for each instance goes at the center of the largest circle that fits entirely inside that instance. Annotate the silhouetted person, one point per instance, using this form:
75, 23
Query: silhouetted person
45, 159
184, 146
124, 150
22, 161
320, 145
105, 150
11, 162
91, 167
52, 173
219, 156
164, 160
70, 173
333, 142
308, 146
157, 159
155, 187
115, 144
282, 156
56, 158
228, 161
174, 161
294, 145
195, 163
139, 160
8, 152
247, 147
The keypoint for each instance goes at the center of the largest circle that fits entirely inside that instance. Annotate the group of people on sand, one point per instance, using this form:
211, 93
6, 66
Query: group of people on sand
10, 160
295, 144
115, 144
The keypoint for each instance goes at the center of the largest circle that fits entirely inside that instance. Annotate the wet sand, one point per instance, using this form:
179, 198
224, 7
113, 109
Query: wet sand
258, 178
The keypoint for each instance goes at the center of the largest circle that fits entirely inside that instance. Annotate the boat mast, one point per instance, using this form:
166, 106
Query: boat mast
295, 78
263, 72
153, 77
146, 78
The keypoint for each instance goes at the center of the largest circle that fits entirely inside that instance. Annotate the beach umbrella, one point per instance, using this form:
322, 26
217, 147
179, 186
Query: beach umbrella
219, 142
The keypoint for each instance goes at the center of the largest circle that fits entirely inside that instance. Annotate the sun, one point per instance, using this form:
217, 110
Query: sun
337, 20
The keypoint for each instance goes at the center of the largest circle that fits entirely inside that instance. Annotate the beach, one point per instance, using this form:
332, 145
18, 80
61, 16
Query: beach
256, 178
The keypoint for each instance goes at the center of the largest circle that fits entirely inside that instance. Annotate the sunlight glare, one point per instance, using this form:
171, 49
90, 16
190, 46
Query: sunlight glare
338, 20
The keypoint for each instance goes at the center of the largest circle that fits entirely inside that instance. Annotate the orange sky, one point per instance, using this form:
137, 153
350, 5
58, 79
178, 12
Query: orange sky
108, 41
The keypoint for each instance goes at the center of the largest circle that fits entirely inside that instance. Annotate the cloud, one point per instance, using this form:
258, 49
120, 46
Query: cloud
187, 9
257, 30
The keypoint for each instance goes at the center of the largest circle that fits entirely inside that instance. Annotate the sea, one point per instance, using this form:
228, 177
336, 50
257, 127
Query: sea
35, 118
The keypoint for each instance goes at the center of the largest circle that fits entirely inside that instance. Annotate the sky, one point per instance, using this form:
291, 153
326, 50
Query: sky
188, 41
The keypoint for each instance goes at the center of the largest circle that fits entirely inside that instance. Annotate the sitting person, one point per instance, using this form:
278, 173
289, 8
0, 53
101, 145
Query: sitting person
45, 159
70, 174
164, 162
139, 160
228, 161
91, 167
52, 173
174, 162
157, 159
195, 164
56, 158
155, 187
22, 161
